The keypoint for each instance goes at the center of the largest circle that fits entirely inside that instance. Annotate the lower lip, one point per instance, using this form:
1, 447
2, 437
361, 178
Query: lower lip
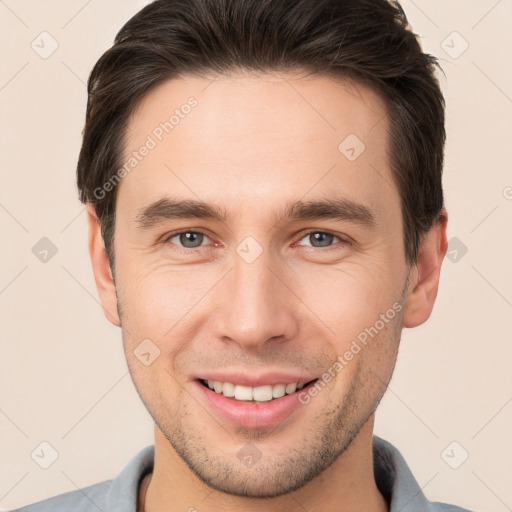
251, 414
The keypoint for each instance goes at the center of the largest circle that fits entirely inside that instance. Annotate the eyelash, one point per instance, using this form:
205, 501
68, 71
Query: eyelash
303, 235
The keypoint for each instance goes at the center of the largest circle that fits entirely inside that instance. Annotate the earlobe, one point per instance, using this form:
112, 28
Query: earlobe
424, 276
101, 268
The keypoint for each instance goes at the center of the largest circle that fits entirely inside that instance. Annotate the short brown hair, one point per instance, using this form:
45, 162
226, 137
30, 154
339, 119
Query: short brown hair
367, 40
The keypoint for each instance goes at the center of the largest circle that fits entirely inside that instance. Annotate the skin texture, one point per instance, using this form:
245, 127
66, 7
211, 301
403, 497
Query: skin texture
252, 144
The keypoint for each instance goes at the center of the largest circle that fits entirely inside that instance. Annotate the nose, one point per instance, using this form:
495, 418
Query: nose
257, 304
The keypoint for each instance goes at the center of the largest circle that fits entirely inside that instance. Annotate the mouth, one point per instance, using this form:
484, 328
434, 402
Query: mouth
268, 404
259, 394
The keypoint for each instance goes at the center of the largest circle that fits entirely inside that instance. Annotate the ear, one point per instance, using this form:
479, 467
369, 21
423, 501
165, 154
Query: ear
101, 268
424, 275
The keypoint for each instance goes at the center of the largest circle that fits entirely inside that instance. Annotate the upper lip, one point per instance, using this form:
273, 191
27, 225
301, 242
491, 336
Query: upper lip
246, 379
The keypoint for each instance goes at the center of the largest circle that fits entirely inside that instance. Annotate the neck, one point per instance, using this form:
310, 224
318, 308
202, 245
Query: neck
348, 485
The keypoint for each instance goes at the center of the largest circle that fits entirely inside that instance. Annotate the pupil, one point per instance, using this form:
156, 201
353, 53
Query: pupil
320, 237
186, 238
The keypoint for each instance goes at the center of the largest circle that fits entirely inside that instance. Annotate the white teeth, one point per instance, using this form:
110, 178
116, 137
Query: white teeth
228, 389
291, 388
262, 393
243, 392
279, 390
258, 394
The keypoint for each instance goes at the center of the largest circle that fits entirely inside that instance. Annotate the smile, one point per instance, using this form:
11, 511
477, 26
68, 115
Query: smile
253, 394
270, 401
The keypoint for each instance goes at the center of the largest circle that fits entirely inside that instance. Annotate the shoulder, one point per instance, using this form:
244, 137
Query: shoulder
91, 498
398, 485
445, 507
121, 493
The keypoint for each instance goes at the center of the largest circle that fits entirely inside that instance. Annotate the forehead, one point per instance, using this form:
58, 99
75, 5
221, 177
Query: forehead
258, 136
299, 104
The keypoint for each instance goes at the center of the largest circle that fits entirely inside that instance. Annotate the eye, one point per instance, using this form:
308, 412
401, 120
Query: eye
187, 239
321, 238
195, 239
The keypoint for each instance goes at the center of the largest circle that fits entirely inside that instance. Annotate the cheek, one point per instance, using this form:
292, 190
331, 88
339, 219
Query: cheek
365, 359
361, 306
158, 302
350, 298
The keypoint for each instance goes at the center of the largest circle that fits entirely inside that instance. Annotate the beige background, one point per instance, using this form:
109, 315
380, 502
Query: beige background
63, 375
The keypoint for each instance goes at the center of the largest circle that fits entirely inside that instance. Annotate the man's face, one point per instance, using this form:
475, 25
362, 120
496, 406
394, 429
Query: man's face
260, 296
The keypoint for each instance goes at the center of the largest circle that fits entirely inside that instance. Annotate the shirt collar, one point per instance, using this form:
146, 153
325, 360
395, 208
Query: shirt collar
395, 480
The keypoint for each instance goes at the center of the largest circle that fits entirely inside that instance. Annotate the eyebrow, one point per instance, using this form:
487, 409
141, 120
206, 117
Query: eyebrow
341, 209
